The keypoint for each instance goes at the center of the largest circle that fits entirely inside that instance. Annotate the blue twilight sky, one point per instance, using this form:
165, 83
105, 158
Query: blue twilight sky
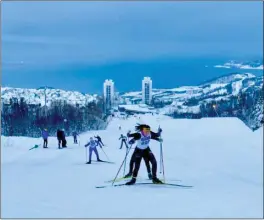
76, 45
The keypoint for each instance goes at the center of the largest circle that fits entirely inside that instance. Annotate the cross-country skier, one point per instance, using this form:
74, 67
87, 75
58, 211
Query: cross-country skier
93, 144
142, 150
99, 139
123, 140
45, 136
133, 161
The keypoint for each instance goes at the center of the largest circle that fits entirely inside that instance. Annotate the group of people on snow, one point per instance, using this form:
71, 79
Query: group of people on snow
61, 137
141, 137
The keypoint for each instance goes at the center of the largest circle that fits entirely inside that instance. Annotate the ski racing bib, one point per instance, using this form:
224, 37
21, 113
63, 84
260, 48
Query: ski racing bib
143, 142
93, 144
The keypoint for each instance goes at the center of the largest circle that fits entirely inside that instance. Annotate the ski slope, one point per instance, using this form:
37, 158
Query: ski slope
220, 157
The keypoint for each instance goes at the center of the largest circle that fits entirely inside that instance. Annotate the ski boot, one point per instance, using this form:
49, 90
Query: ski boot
150, 176
131, 182
89, 162
98, 160
128, 175
155, 180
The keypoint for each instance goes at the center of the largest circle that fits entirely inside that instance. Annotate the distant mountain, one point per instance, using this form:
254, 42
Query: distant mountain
257, 64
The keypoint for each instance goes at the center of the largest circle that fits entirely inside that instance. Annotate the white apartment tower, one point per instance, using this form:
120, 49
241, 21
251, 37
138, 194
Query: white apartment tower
108, 94
147, 90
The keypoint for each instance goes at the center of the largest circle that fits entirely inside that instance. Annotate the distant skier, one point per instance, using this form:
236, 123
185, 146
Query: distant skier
75, 137
93, 144
119, 126
45, 136
142, 150
123, 141
99, 139
64, 142
133, 161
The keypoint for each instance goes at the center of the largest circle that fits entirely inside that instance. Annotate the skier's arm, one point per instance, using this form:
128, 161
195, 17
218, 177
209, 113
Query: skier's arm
155, 136
132, 141
136, 136
86, 145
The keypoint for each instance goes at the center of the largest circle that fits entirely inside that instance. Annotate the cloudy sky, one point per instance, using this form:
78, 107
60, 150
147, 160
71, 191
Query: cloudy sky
42, 41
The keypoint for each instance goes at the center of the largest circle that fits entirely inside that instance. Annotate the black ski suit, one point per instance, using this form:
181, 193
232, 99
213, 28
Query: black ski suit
133, 161
144, 153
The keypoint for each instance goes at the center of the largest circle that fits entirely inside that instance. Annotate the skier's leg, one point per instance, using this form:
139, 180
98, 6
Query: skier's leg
46, 142
96, 153
90, 154
154, 166
138, 157
148, 167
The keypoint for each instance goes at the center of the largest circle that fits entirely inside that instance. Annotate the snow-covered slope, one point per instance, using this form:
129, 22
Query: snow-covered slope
224, 166
37, 96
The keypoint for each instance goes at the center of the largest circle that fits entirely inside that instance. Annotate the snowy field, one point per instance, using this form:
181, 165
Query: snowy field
221, 158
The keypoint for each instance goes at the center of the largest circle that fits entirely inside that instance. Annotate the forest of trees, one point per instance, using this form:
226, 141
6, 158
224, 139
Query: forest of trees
21, 119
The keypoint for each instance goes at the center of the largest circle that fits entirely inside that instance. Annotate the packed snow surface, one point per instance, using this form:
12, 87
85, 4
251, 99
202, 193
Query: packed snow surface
220, 157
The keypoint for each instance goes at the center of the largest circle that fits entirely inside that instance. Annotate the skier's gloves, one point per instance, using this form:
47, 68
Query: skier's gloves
132, 141
160, 130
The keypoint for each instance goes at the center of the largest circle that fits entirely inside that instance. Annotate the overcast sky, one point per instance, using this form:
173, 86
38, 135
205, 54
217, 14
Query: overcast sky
37, 35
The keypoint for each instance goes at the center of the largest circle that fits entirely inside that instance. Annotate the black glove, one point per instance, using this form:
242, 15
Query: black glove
160, 130
132, 141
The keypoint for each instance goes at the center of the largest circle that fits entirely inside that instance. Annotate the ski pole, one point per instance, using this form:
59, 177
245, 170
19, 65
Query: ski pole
162, 162
122, 164
125, 164
160, 159
86, 154
105, 153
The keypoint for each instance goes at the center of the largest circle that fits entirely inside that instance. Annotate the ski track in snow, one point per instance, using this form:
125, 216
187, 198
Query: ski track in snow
220, 158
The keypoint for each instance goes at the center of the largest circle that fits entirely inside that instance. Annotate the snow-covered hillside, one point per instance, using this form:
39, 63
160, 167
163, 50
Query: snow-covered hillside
224, 166
37, 96
220, 88
225, 90
258, 65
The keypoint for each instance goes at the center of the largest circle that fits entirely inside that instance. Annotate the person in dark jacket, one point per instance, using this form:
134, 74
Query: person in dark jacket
45, 136
142, 150
64, 142
123, 141
99, 139
61, 138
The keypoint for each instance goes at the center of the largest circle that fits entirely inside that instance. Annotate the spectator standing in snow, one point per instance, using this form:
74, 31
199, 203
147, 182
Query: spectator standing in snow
45, 136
